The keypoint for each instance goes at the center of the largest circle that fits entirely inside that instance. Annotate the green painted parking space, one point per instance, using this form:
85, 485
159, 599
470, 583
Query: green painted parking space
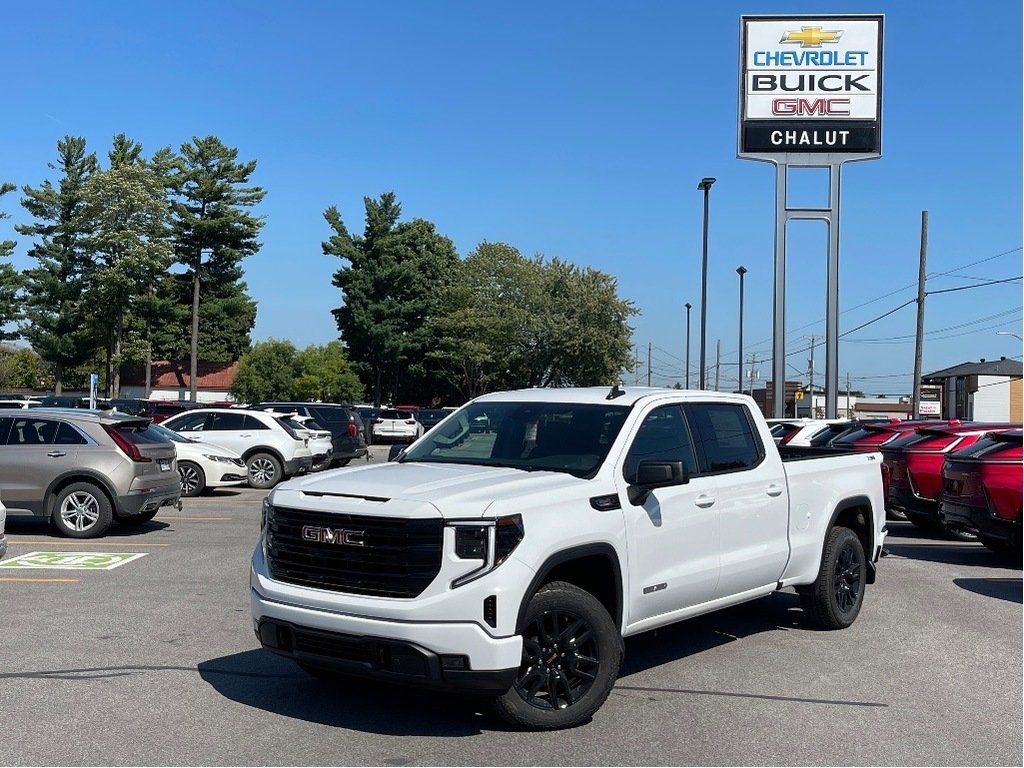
71, 561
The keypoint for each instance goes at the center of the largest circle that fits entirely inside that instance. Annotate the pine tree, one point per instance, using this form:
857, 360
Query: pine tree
56, 312
10, 281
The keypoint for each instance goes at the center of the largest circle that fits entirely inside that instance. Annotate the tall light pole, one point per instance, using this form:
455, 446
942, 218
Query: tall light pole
689, 306
705, 184
998, 333
741, 271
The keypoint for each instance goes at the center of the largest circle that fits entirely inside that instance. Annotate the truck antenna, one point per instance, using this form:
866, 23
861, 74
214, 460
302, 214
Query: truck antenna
616, 391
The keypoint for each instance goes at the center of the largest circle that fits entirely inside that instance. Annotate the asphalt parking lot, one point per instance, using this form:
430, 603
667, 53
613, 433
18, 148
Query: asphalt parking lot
154, 662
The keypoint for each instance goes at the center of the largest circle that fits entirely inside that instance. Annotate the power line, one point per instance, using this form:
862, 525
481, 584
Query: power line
978, 285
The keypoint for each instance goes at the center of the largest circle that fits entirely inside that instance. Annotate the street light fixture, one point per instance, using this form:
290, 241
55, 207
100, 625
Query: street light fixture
741, 271
689, 306
1009, 333
705, 185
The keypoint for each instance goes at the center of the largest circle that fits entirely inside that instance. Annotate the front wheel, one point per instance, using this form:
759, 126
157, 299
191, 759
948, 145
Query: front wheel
191, 478
572, 652
835, 598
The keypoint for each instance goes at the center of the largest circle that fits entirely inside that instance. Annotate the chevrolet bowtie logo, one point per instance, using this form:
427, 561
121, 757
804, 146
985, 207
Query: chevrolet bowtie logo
812, 37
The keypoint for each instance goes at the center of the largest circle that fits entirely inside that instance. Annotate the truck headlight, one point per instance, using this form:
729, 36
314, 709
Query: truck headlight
491, 541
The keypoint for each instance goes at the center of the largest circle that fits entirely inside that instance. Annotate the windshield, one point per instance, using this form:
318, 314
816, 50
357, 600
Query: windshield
170, 434
561, 437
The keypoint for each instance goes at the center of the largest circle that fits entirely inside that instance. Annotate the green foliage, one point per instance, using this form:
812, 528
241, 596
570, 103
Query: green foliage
22, 368
324, 373
130, 246
511, 322
266, 372
392, 281
56, 313
10, 281
212, 233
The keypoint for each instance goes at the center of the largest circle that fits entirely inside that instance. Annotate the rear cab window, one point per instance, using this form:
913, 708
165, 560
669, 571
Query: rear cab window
724, 437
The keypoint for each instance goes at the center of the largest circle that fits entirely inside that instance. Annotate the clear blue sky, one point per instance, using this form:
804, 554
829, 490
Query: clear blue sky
571, 129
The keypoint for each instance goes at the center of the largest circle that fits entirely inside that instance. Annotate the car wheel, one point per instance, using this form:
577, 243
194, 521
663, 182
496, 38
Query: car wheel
957, 534
342, 462
139, 519
894, 514
835, 598
321, 465
82, 511
192, 478
264, 470
572, 652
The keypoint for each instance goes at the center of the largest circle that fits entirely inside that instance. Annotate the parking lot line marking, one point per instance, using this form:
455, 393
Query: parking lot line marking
84, 542
43, 581
203, 519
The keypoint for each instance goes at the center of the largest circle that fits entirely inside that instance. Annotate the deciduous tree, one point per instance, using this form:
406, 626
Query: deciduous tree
266, 372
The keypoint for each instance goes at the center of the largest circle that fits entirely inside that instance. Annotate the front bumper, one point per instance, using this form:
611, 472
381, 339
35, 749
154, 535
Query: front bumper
980, 521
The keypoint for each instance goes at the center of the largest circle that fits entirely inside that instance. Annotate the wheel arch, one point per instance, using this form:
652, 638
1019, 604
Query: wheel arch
592, 567
856, 514
264, 449
62, 481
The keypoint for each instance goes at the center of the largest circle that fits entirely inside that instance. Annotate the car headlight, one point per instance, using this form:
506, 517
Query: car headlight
220, 459
491, 541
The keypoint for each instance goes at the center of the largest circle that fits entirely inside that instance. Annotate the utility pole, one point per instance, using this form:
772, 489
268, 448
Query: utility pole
648, 363
810, 379
718, 361
636, 365
753, 366
915, 410
848, 408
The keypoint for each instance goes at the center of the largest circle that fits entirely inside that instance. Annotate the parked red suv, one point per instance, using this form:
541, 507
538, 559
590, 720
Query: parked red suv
982, 489
912, 470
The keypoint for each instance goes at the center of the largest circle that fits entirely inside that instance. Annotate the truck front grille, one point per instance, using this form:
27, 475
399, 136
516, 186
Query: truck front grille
357, 554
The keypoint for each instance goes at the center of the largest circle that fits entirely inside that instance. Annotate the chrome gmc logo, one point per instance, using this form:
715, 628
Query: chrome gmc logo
339, 536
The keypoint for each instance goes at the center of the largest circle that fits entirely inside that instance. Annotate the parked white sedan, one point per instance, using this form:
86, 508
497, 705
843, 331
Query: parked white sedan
202, 465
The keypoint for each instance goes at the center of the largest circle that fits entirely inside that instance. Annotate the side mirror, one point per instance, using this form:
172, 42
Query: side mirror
651, 474
395, 451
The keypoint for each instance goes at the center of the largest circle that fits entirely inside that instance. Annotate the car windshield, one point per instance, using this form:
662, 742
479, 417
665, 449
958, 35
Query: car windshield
170, 434
559, 437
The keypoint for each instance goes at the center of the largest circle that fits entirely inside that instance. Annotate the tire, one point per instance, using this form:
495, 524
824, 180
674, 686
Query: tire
192, 479
82, 511
923, 522
562, 621
264, 470
342, 462
139, 519
956, 534
894, 514
835, 598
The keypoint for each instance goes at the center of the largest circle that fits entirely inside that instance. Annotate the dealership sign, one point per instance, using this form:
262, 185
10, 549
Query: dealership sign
811, 85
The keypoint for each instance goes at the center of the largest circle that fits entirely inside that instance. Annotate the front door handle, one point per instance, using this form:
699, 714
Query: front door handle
704, 501
57, 454
774, 490
246, 434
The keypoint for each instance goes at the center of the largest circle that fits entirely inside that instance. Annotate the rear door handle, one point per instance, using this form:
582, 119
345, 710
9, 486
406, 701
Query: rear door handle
774, 490
245, 434
704, 501
57, 454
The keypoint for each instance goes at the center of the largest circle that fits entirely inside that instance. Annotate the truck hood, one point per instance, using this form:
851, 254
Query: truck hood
454, 490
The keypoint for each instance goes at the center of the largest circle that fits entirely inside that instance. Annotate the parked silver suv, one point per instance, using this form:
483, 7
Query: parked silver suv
82, 469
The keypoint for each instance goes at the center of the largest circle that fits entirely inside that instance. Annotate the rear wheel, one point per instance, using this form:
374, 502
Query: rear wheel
572, 651
264, 470
82, 511
192, 478
835, 598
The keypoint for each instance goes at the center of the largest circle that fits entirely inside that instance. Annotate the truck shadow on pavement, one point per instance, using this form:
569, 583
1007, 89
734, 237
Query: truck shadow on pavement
905, 540
264, 681
261, 680
1011, 590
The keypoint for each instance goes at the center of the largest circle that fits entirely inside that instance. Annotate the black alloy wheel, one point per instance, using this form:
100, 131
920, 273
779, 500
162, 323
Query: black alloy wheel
572, 651
848, 581
834, 600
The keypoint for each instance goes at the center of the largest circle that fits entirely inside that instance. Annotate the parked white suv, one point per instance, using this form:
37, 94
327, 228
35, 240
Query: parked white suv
319, 440
272, 451
400, 426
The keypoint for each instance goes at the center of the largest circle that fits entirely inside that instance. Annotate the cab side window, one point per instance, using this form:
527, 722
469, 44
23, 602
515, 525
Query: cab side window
724, 437
663, 436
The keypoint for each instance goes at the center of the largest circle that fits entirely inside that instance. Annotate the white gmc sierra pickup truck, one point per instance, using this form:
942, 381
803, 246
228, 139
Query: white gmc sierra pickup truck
511, 549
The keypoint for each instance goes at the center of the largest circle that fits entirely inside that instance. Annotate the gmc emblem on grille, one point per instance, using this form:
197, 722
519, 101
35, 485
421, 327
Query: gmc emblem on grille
340, 536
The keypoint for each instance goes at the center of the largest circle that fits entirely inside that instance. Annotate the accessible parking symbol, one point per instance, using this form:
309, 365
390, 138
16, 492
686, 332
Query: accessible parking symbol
72, 561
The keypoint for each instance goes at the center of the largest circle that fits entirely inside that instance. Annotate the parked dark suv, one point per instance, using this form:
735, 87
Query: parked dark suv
347, 433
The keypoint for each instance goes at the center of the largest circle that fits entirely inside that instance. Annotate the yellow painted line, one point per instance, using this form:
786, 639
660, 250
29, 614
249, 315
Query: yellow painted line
83, 542
204, 519
41, 581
